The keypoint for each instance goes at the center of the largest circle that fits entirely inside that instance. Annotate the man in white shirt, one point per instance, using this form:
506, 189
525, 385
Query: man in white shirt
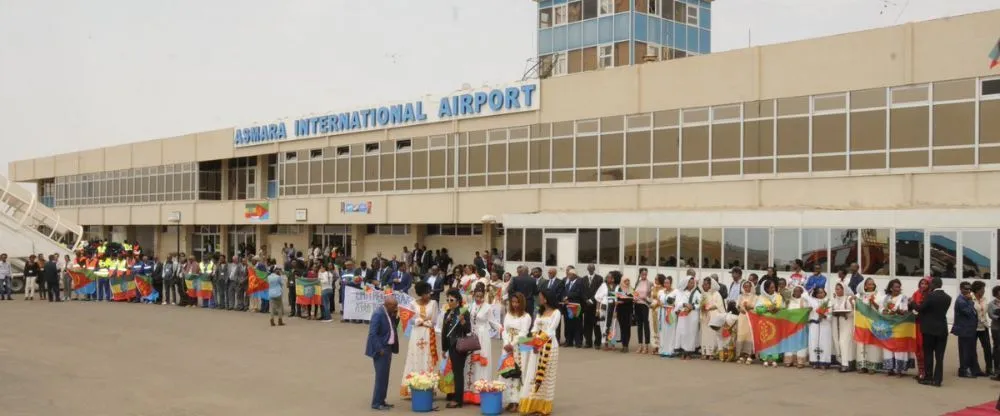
735, 287
5, 278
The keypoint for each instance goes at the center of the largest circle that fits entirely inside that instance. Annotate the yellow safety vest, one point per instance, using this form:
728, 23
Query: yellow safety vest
206, 267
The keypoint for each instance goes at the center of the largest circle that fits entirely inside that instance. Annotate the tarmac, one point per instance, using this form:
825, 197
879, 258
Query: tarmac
88, 358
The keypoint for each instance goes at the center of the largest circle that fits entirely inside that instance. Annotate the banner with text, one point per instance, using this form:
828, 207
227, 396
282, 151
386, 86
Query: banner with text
360, 305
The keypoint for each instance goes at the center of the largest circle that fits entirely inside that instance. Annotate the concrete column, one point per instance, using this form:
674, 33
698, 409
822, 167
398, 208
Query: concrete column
357, 241
225, 180
489, 233
223, 237
419, 233
262, 241
262, 177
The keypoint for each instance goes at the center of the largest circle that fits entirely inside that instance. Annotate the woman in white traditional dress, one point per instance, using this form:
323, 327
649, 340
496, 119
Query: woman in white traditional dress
712, 305
667, 317
495, 296
606, 313
539, 389
422, 353
820, 329
687, 341
869, 356
477, 366
468, 283
800, 357
517, 324
895, 303
842, 326
744, 336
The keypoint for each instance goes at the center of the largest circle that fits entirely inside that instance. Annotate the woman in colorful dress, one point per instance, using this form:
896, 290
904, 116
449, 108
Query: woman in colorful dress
801, 357
895, 303
539, 388
667, 317
468, 283
820, 329
842, 326
769, 301
477, 366
712, 305
923, 289
869, 356
422, 352
744, 336
517, 324
687, 340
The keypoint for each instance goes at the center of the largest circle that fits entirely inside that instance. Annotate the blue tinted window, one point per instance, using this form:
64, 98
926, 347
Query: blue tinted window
667, 32
544, 41
544, 3
655, 31
692, 39
640, 27
559, 38
607, 29
590, 32
622, 26
680, 36
575, 35
559, 1
704, 18
704, 41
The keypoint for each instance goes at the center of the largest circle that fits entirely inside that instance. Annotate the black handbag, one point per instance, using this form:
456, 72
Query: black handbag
467, 344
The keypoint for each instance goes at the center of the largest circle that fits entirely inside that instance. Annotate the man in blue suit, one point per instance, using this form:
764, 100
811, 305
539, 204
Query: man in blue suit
401, 280
383, 341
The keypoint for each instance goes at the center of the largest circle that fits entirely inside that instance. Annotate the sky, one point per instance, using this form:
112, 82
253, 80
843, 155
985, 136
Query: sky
78, 75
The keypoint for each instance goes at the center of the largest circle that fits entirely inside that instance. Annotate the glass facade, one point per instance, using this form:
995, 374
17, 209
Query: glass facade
914, 252
940, 125
127, 186
584, 35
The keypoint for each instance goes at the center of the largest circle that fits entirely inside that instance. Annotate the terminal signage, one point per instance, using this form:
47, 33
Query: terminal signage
511, 98
356, 208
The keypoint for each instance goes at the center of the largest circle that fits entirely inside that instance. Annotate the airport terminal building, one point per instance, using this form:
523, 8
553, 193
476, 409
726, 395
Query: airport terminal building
879, 147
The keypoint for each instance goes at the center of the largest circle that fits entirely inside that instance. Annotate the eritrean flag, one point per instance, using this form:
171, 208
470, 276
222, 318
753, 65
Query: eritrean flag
572, 310
995, 55
781, 332
896, 333
405, 321
307, 292
257, 285
84, 281
507, 364
534, 343
144, 284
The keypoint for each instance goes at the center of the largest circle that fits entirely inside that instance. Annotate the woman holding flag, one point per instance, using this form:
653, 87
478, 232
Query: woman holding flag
744, 337
667, 316
769, 301
869, 356
422, 353
895, 303
514, 361
539, 390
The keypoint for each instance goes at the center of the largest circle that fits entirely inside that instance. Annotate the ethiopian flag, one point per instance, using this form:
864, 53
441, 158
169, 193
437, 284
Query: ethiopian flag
122, 287
191, 284
84, 281
307, 292
896, 333
405, 321
781, 332
205, 287
257, 283
572, 310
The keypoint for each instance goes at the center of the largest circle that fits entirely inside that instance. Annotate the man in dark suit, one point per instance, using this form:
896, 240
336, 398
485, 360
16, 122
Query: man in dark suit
426, 259
934, 328
525, 285
479, 263
50, 275
436, 279
576, 292
591, 331
964, 325
383, 342
555, 286
401, 280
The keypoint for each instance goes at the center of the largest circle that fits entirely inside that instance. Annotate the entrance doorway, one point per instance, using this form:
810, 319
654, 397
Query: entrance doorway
560, 251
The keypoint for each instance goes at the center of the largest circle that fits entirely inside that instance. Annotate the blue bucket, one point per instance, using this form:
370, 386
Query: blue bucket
491, 403
422, 401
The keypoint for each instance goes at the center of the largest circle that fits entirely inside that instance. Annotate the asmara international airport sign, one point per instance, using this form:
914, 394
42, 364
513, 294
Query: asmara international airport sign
512, 98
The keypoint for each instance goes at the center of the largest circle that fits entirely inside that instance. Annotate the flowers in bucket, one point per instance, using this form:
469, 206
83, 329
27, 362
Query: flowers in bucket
489, 386
421, 380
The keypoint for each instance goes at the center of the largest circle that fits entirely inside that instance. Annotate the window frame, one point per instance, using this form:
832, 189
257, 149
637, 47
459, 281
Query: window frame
560, 64
605, 8
601, 56
692, 12
560, 10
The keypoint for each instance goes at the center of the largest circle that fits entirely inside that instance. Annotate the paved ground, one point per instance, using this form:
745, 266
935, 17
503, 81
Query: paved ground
116, 359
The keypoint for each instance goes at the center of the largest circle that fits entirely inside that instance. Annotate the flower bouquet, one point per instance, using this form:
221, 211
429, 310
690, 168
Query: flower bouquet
357, 280
823, 310
685, 311
489, 386
422, 380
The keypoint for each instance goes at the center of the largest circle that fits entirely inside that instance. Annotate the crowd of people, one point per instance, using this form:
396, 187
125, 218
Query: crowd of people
533, 315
